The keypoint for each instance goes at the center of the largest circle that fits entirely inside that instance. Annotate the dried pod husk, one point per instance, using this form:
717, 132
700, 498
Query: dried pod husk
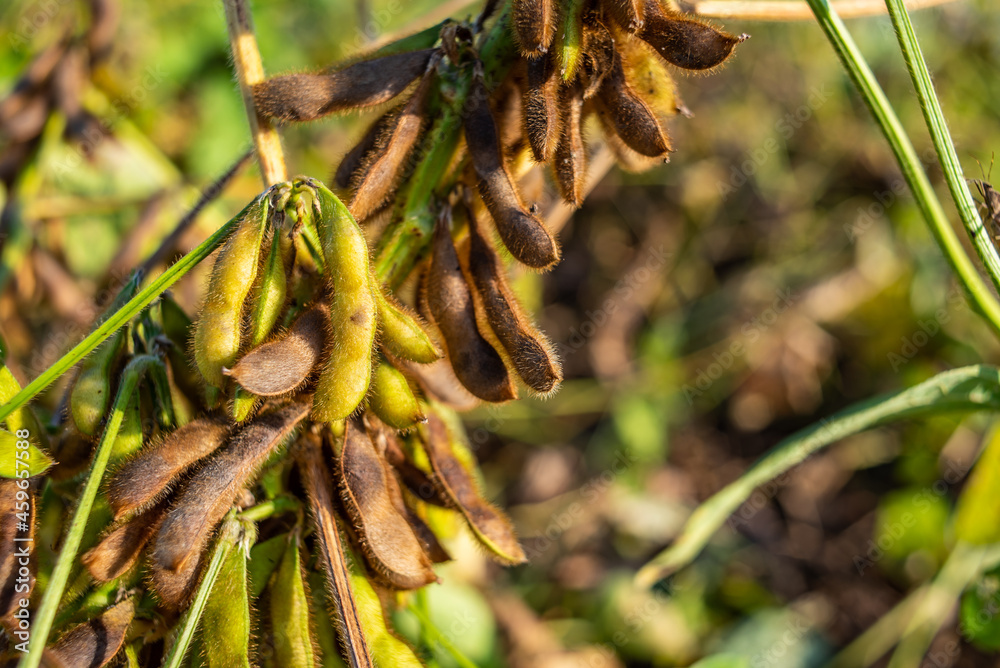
306, 97
355, 158
17, 559
282, 365
209, 493
290, 618
415, 480
530, 352
540, 106
488, 523
147, 476
389, 544
219, 329
476, 364
91, 394
401, 333
95, 643
685, 42
627, 115
175, 587
534, 23
379, 172
524, 235
629, 14
392, 399
599, 52
225, 622
121, 546
344, 381
569, 163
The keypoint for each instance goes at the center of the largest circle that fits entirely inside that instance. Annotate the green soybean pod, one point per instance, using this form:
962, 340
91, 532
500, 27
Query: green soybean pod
225, 622
270, 294
293, 643
130, 436
345, 378
392, 399
386, 648
401, 333
219, 330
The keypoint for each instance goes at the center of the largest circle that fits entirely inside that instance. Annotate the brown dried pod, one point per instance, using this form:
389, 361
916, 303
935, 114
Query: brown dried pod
120, 547
489, 524
389, 544
306, 97
17, 532
534, 23
523, 234
175, 587
352, 162
378, 173
94, 643
208, 494
628, 115
685, 42
626, 13
569, 164
476, 364
147, 476
540, 106
282, 365
598, 55
530, 352
415, 480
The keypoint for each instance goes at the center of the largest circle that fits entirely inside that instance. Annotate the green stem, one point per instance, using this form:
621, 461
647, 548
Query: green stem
122, 316
906, 156
67, 556
938, 128
276, 506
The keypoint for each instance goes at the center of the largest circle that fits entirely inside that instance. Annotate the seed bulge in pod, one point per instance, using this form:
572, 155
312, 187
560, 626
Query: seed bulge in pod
120, 547
628, 115
534, 23
282, 365
290, 619
145, 477
392, 399
344, 380
476, 364
401, 332
522, 233
540, 106
208, 494
684, 42
225, 622
388, 542
432, 547
219, 329
175, 587
488, 523
95, 643
306, 97
530, 352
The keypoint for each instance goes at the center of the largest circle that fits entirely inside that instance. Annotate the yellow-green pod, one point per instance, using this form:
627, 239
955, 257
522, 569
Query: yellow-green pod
293, 643
91, 394
386, 648
402, 334
392, 399
344, 380
225, 623
270, 296
219, 330
243, 404
130, 437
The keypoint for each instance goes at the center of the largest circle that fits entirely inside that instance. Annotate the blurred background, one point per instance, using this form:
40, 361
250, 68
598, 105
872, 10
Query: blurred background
775, 271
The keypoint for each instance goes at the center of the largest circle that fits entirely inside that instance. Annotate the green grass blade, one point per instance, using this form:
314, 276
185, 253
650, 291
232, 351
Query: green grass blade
42, 623
966, 389
120, 317
873, 95
945, 148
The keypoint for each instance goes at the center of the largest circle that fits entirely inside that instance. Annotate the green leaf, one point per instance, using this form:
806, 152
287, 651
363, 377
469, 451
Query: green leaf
979, 622
966, 389
14, 459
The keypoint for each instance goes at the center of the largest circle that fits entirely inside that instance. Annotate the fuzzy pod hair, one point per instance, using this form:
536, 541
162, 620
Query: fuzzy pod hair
629, 14
685, 42
225, 621
94, 643
540, 108
569, 162
356, 157
628, 115
391, 398
121, 546
402, 333
306, 97
534, 23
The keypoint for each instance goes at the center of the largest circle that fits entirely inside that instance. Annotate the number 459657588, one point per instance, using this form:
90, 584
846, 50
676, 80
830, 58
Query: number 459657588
21, 457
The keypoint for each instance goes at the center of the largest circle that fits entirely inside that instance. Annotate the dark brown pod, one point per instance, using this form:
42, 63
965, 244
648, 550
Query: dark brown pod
17, 532
388, 542
628, 115
530, 352
685, 42
415, 480
352, 162
598, 56
95, 643
147, 476
379, 172
282, 365
626, 13
175, 588
208, 494
120, 547
476, 364
540, 106
523, 234
534, 23
569, 164
306, 97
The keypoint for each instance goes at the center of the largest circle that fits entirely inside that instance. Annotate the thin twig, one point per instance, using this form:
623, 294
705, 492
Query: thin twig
249, 72
790, 10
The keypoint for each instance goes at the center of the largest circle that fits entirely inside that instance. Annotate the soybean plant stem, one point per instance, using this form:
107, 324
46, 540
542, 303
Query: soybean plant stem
938, 128
67, 555
250, 71
873, 95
